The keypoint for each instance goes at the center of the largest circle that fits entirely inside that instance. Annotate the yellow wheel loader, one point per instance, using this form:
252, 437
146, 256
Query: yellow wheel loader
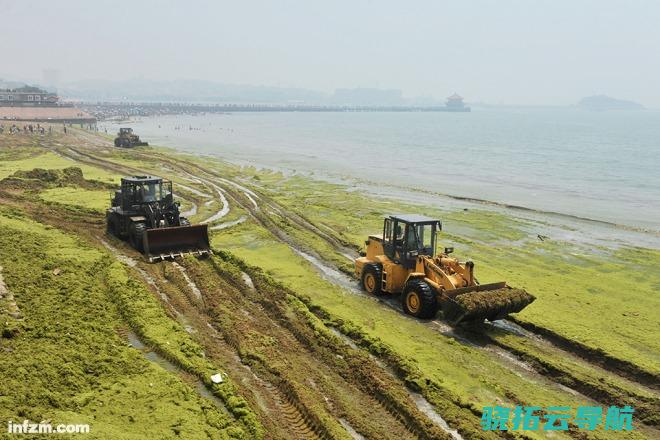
404, 260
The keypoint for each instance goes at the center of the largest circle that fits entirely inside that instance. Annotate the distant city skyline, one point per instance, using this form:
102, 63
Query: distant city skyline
498, 52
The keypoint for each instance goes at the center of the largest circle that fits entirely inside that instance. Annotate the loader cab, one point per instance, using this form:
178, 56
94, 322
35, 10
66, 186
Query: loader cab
140, 190
407, 236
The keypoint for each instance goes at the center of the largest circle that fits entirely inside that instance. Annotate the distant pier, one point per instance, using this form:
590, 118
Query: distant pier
104, 110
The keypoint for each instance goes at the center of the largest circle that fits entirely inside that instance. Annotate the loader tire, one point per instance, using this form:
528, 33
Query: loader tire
372, 278
135, 235
419, 300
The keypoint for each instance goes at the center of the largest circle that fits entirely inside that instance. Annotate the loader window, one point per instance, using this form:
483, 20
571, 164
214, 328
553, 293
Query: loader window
423, 239
411, 239
390, 232
387, 232
149, 192
398, 235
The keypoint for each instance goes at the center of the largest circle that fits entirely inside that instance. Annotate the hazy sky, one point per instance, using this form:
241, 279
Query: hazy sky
496, 51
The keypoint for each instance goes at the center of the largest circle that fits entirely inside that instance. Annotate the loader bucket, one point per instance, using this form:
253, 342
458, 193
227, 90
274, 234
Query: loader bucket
486, 301
163, 243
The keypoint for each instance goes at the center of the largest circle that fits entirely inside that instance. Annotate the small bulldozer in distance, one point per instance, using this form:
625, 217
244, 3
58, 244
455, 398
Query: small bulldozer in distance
404, 260
144, 212
127, 139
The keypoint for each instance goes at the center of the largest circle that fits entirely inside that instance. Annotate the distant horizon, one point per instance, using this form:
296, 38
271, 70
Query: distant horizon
407, 100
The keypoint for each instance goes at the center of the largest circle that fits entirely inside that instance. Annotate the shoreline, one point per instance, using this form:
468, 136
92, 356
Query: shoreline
622, 235
233, 140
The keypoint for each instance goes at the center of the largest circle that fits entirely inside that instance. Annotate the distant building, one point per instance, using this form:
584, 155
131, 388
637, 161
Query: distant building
455, 101
34, 104
27, 96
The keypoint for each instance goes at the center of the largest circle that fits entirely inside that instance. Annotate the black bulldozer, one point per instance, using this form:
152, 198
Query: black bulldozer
127, 139
144, 212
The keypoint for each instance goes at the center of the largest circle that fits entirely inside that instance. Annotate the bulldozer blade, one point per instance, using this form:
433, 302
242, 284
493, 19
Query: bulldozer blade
164, 243
490, 301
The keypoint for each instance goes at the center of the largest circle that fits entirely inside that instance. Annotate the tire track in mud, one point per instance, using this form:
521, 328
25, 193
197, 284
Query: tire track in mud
296, 416
254, 209
229, 224
195, 191
80, 156
154, 355
383, 400
190, 212
292, 417
223, 211
301, 429
590, 355
280, 403
274, 318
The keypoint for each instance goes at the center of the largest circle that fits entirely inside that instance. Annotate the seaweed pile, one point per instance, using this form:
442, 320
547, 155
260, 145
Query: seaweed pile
488, 304
43, 178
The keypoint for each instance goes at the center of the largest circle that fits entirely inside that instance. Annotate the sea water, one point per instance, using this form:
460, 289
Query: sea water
603, 166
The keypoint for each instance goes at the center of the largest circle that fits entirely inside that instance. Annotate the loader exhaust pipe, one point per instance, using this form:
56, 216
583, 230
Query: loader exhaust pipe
164, 243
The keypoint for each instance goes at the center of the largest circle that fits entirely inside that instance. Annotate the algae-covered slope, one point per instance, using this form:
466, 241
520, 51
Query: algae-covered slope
583, 290
64, 359
303, 351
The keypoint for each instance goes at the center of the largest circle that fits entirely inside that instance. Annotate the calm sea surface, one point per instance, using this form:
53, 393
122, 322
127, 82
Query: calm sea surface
597, 165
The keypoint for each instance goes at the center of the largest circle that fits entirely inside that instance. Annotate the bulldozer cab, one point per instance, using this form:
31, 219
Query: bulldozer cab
407, 236
125, 131
139, 190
